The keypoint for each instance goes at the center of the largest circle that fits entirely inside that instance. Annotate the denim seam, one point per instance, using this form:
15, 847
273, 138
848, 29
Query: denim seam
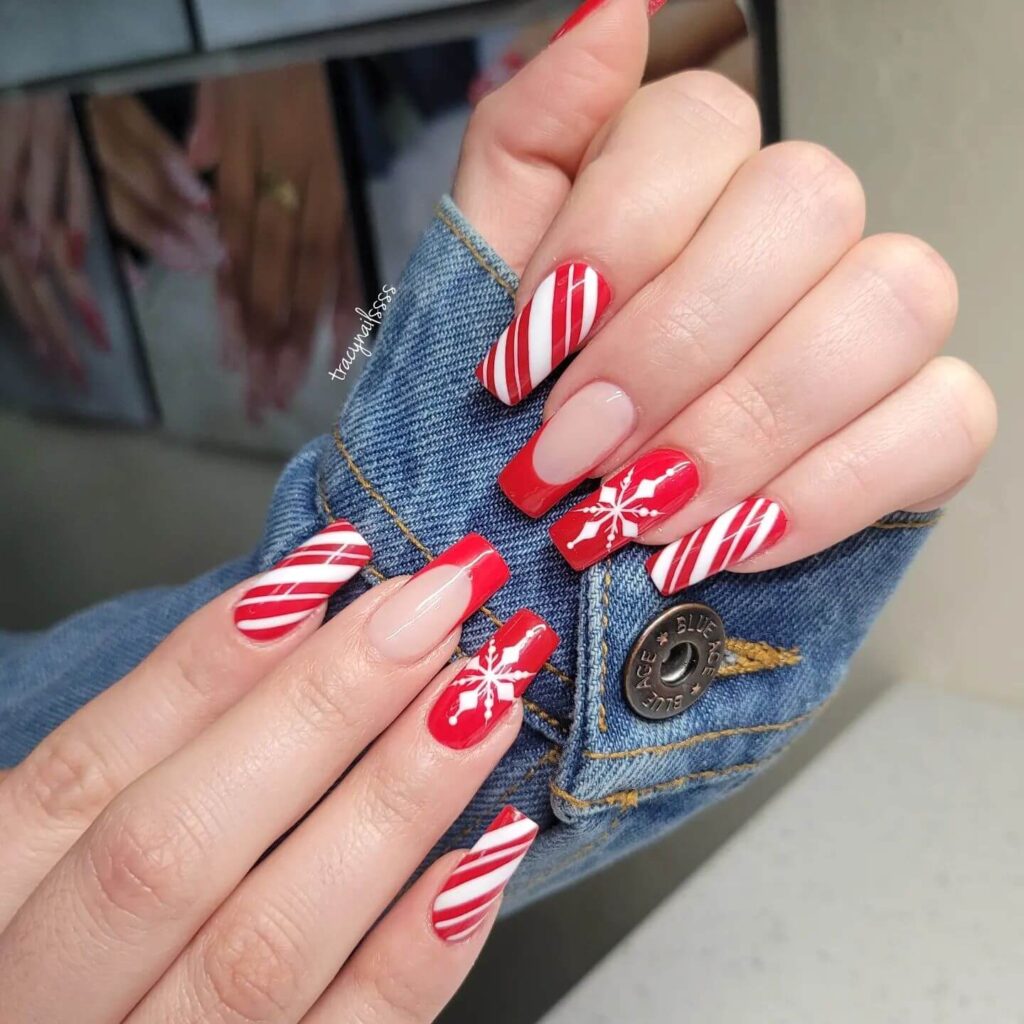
916, 524
473, 250
407, 532
602, 715
753, 656
631, 797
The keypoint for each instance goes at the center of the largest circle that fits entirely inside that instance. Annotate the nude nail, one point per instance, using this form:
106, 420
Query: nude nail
440, 597
566, 449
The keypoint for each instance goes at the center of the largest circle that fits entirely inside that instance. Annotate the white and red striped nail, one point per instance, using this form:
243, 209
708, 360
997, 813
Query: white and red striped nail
481, 876
301, 582
628, 504
487, 686
751, 526
553, 325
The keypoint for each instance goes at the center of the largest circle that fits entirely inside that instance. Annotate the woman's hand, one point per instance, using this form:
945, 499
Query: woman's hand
782, 369
135, 883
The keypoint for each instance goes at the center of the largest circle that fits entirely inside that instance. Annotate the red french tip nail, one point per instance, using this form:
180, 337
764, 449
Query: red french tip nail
625, 506
554, 324
743, 531
301, 582
525, 488
480, 877
488, 685
488, 571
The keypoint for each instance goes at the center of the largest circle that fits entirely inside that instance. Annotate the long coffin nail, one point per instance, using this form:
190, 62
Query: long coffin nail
550, 327
491, 681
751, 526
564, 451
628, 504
437, 599
481, 876
301, 582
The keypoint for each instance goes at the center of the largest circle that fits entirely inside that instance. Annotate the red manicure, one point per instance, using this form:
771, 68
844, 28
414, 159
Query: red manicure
490, 682
487, 570
627, 505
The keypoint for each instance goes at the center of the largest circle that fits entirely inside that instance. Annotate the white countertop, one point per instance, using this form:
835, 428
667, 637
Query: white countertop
885, 883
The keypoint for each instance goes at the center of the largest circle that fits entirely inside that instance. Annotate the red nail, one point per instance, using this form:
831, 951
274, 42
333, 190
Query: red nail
491, 681
627, 505
301, 582
586, 8
482, 874
76, 249
751, 526
553, 325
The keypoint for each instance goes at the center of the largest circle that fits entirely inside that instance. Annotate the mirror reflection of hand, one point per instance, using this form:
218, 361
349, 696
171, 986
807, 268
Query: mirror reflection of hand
281, 205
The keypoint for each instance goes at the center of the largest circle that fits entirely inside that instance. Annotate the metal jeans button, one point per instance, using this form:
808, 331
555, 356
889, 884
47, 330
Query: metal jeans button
673, 661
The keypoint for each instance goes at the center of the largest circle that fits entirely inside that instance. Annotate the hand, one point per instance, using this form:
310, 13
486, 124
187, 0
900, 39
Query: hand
134, 879
154, 196
281, 206
44, 223
755, 375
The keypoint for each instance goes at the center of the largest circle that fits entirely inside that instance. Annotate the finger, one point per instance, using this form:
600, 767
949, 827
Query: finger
53, 319
203, 146
191, 678
77, 288
232, 331
405, 971
168, 849
46, 158
77, 204
275, 246
365, 838
922, 440
525, 141
14, 132
883, 312
666, 160
23, 304
150, 232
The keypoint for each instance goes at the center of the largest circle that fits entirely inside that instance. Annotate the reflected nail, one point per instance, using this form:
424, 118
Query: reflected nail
625, 506
301, 582
437, 599
564, 451
740, 533
92, 318
482, 874
553, 325
487, 686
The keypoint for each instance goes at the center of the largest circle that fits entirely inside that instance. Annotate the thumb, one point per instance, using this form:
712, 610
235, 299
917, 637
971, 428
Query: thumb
526, 141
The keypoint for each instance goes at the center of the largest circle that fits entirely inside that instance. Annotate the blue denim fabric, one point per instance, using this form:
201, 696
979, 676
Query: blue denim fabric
412, 461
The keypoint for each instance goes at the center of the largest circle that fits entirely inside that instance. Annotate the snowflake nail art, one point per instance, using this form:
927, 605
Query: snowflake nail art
628, 504
490, 682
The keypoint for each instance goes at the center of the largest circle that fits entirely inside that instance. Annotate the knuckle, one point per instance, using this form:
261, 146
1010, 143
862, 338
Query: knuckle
386, 994
760, 428
252, 966
716, 99
66, 779
919, 280
684, 326
392, 803
145, 859
968, 400
817, 179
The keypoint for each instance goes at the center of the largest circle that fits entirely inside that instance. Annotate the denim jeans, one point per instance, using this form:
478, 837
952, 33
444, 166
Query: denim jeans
412, 461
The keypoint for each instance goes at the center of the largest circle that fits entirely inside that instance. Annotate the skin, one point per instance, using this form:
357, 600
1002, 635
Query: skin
128, 889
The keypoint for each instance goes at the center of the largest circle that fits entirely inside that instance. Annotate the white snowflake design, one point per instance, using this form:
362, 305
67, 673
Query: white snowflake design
490, 677
620, 511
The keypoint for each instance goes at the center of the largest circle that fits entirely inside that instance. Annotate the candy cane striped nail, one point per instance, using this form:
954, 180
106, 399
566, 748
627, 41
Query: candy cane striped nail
481, 876
551, 327
306, 577
751, 526
487, 686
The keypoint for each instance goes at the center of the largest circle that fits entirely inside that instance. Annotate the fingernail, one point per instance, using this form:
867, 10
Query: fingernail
564, 451
625, 506
586, 8
481, 876
751, 526
551, 327
76, 249
92, 318
487, 686
437, 599
301, 582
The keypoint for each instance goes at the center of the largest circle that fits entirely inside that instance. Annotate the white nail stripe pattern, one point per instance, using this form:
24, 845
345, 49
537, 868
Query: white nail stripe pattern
301, 581
462, 904
551, 327
735, 535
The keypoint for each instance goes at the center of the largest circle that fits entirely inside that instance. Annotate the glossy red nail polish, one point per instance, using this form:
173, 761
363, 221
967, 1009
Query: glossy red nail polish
525, 488
301, 582
487, 686
586, 8
740, 533
628, 504
481, 876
